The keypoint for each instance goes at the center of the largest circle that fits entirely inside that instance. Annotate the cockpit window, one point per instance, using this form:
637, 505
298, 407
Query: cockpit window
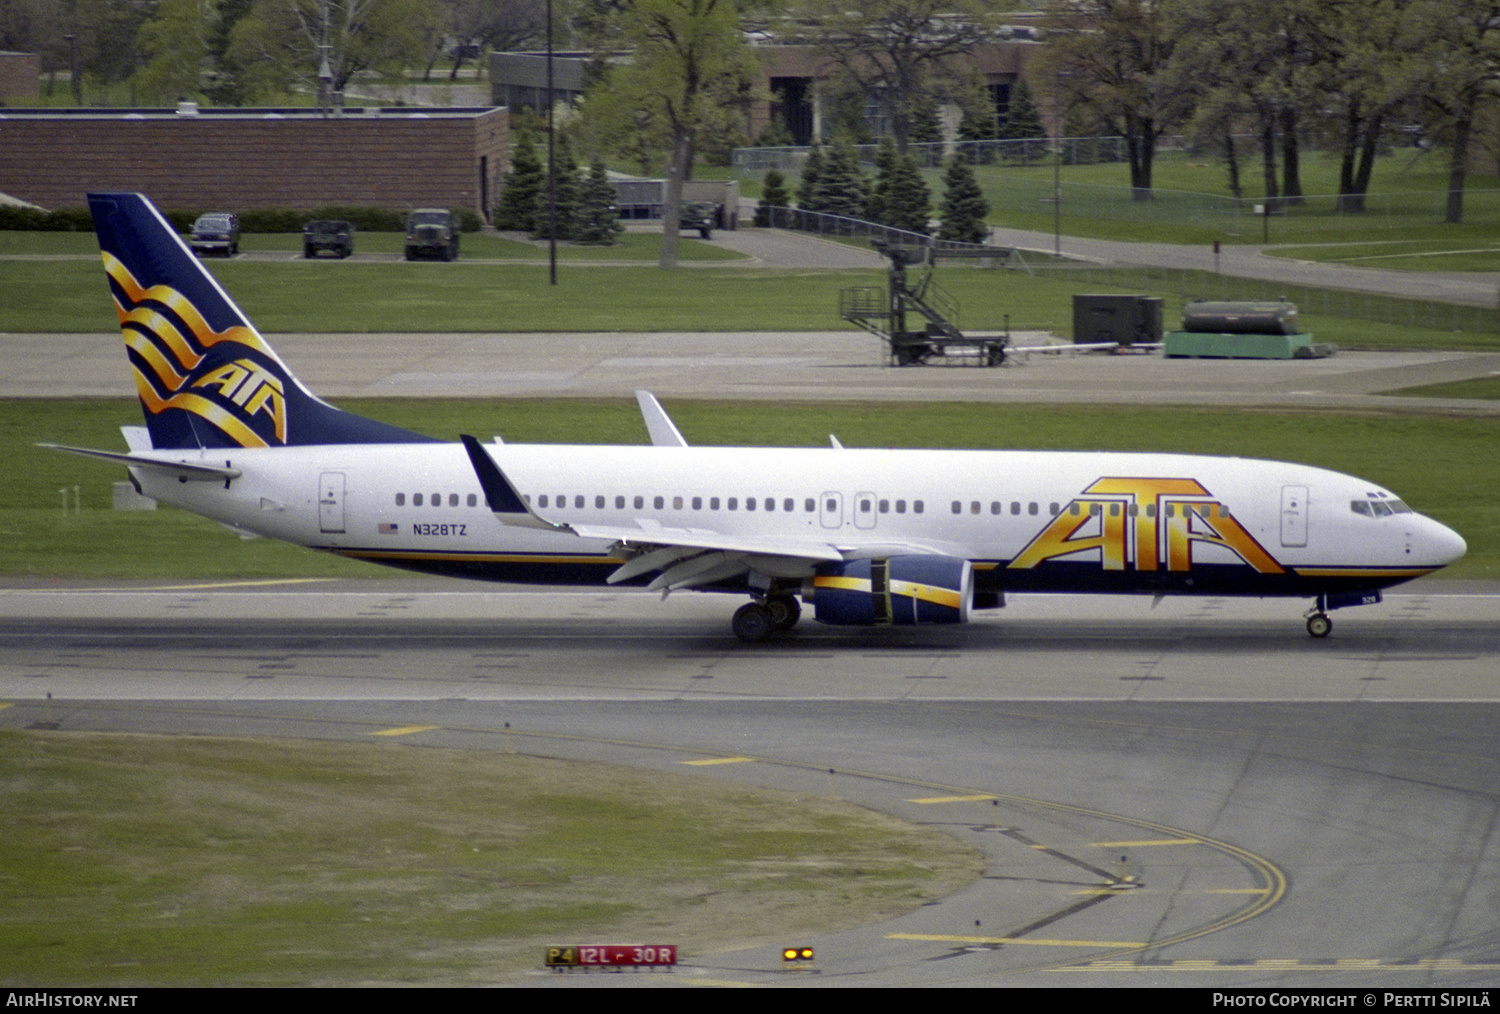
1378, 508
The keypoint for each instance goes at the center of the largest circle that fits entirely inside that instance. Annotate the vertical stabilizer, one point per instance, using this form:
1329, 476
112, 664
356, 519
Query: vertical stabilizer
205, 376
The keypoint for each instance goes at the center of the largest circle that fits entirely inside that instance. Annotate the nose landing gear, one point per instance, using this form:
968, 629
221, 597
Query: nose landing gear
1318, 623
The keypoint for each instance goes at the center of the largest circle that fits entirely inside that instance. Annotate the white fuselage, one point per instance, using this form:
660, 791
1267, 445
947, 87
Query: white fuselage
1037, 520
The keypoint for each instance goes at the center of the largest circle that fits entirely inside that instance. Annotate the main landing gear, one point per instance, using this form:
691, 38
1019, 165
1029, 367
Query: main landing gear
756, 621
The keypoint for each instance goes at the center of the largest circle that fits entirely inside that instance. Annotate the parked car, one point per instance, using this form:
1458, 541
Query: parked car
327, 234
432, 232
216, 232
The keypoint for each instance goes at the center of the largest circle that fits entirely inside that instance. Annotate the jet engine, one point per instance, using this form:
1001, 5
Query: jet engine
901, 590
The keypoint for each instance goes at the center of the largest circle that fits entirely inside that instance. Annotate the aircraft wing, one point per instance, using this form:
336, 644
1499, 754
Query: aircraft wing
686, 557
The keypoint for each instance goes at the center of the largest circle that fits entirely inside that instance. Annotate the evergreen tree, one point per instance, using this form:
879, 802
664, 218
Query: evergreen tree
807, 186
908, 201
885, 166
567, 193
842, 188
964, 208
526, 179
1023, 120
773, 194
596, 220
927, 131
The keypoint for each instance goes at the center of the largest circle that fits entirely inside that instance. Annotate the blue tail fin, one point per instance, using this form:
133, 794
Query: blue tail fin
205, 376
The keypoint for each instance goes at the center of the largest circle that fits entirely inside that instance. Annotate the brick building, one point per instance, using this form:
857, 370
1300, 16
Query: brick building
237, 159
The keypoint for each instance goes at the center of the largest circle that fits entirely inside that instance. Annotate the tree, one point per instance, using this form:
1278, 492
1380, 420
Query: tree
281, 44
900, 198
964, 208
885, 165
808, 193
503, 25
567, 186
1467, 34
894, 51
1116, 56
690, 71
1023, 121
175, 43
841, 185
524, 184
773, 194
596, 220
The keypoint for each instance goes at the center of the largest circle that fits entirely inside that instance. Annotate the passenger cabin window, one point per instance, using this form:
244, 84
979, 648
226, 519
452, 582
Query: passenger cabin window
400, 499
416, 499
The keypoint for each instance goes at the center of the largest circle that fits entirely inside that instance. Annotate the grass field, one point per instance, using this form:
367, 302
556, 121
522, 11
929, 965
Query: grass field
69, 295
1443, 466
1191, 201
195, 861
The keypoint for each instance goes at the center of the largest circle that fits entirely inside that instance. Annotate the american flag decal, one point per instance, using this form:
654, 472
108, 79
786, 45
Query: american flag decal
389, 529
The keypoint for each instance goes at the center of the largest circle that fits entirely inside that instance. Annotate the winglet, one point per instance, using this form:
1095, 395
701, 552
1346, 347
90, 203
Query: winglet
508, 504
664, 432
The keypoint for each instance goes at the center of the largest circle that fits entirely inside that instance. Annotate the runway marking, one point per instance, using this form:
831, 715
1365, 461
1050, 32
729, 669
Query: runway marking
1030, 941
930, 800
1144, 844
404, 730
720, 760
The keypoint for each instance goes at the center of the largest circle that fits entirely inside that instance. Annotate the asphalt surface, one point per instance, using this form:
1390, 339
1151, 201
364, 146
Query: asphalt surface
1195, 794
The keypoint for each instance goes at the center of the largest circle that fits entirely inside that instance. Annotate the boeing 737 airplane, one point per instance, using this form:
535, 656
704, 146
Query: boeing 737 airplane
865, 537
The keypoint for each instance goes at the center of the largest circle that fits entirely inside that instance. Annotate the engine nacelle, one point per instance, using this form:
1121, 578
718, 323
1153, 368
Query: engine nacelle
901, 590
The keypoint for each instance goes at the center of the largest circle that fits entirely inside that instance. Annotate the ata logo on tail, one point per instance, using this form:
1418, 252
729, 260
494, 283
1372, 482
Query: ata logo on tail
179, 363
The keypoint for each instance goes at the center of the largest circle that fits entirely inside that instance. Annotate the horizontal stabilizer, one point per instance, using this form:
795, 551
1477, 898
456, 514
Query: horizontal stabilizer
187, 471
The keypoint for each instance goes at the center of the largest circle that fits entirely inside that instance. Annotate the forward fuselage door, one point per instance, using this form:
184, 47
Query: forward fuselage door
331, 502
1294, 515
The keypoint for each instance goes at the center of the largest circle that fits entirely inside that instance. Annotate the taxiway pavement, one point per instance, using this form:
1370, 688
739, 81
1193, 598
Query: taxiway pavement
1196, 794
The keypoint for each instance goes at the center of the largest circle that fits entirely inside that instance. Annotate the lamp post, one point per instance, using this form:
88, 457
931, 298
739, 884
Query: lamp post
73, 68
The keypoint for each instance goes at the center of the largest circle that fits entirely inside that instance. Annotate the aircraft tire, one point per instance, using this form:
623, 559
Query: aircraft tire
784, 610
752, 623
1318, 625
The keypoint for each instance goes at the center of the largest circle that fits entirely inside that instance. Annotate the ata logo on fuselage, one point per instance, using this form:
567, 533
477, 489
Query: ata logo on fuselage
1146, 524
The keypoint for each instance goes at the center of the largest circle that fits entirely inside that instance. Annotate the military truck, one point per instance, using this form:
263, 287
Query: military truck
327, 234
432, 232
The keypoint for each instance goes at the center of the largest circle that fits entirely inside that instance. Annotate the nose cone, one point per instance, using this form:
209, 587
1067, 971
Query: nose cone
1441, 544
